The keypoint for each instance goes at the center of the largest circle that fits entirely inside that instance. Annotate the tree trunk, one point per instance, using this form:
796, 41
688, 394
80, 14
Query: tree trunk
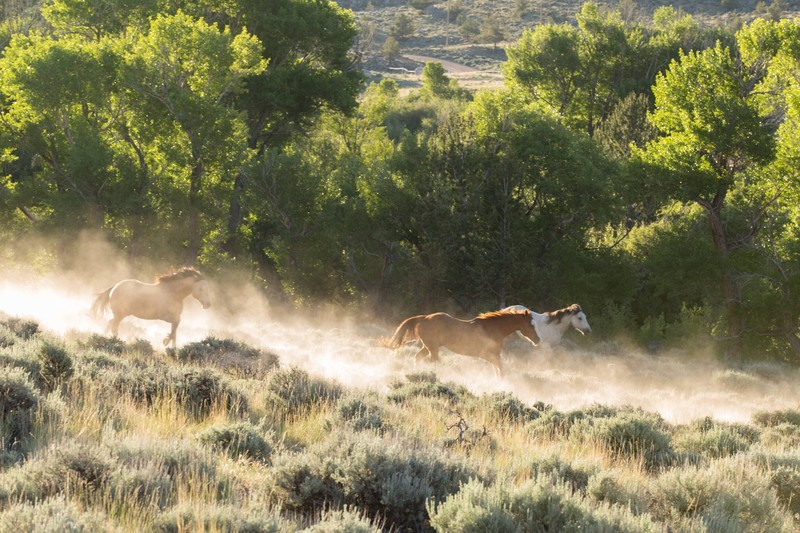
232, 246
794, 343
731, 291
193, 237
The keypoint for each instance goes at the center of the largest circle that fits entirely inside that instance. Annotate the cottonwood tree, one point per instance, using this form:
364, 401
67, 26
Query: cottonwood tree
714, 144
67, 176
185, 70
580, 72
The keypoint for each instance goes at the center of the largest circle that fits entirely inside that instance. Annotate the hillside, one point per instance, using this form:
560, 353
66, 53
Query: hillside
433, 37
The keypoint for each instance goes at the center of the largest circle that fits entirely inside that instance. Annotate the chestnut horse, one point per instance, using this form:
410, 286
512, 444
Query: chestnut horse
162, 300
551, 326
482, 336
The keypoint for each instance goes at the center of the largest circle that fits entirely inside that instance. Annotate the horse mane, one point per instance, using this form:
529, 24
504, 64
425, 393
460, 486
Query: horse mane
503, 312
556, 316
180, 274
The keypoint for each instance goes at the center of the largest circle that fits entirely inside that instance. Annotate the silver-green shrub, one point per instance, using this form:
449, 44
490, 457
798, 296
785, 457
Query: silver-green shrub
727, 496
54, 515
713, 440
293, 390
343, 521
231, 356
393, 480
540, 505
19, 401
629, 434
239, 439
360, 412
55, 364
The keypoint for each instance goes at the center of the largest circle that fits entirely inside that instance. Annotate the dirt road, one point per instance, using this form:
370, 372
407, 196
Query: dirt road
449, 66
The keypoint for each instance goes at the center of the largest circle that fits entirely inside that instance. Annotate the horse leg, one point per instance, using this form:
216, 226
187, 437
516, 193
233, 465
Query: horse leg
171, 336
434, 350
421, 354
496, 361
113, 326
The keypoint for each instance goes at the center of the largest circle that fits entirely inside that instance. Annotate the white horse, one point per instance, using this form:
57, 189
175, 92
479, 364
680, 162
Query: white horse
551, 326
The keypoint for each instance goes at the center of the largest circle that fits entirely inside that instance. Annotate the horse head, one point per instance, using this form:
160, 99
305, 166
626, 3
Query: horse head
578, 319
202, 293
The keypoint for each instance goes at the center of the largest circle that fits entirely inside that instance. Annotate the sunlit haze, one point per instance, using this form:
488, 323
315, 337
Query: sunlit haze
681, 386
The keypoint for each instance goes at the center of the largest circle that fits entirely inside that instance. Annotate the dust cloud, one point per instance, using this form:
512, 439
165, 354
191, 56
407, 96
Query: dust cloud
678, 385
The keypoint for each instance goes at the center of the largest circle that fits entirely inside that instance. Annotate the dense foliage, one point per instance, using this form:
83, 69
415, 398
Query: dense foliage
643, 168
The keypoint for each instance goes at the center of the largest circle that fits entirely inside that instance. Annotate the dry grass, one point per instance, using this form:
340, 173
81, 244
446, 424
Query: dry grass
126, 458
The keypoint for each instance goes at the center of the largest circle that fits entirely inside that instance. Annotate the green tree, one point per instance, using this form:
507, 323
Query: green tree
94, 19
434, 79
65, 176
579, 72
714, 143
186, 70
489, 199
491, 31
391, 49
403, 27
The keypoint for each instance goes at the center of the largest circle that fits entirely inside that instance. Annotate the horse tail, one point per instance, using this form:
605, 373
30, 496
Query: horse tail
405, 332
101, 303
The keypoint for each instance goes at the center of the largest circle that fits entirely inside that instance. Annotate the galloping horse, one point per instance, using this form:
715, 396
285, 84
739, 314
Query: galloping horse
480, 337
551, 326
162, 300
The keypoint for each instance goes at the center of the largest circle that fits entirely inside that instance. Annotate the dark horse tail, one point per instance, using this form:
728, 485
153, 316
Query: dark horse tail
101, 303
405, 332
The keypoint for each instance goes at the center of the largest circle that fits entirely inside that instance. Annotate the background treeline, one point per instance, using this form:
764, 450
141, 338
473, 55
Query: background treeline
644, 169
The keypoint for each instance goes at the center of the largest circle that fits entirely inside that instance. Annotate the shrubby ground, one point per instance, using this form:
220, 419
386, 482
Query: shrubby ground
102, 434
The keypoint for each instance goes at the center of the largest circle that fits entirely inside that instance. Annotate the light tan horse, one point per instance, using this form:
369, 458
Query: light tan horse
482, 336
162, 300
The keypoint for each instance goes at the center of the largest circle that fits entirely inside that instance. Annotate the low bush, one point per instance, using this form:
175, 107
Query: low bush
7, 337
606, 488
783, 471
391, 480
116, 346
294, 391
781, 436
726, 496
343, 521
101, 343
426, 384
713, 440
359, 412
550, 425
576, 476
175, 458
241, 439
231, 356
198, 391
21, 328
766, 419
152, 473
629, 435
19, 401
538, 505
62, 468
55, 364
53, 515
505, 406
146, 486
218, 518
